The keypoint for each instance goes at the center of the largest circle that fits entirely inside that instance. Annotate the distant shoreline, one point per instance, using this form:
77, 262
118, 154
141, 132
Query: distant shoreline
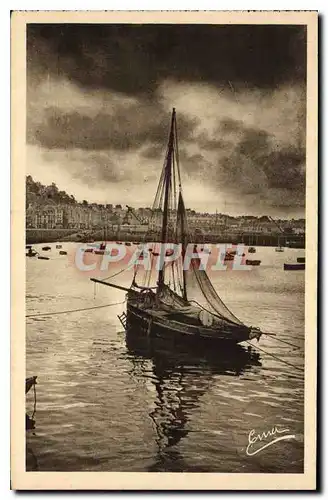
40, 236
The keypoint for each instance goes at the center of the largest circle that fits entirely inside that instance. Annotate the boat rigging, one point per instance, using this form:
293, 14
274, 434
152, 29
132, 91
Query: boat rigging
173, 300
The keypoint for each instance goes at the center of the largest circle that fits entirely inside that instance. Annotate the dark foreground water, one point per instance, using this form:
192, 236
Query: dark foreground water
110, 403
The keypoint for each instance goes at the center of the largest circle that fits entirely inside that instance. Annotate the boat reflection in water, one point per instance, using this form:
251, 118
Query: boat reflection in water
31, 460
181, 373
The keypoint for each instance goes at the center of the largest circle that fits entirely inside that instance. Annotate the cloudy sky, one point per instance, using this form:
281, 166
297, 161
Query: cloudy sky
99, 99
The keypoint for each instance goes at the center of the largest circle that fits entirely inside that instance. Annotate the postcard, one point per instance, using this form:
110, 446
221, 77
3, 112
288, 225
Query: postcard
164, 250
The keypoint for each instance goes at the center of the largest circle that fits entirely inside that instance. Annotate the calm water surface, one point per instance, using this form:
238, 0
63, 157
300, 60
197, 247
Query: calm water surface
110, 403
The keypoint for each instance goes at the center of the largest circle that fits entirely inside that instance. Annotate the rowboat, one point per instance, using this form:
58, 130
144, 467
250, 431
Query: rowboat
294, 267
250, 262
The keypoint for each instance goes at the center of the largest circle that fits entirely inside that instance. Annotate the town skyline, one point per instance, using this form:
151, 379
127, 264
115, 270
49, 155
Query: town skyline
122, 205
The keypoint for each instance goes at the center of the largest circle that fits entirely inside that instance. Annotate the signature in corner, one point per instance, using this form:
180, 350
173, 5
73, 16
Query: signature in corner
254, 438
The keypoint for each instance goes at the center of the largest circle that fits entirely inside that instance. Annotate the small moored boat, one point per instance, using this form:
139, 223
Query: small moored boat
252, 250
42, 257
294, 267
59, 246
45, 249
250, 262
301, 260
62, 252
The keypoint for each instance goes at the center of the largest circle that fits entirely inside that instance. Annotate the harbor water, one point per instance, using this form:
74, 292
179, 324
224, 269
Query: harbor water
108, 402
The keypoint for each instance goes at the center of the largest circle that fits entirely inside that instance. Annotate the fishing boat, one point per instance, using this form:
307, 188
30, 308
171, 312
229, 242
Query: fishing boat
62, 252
45, 249
301, 260
58, 247
181, 302
42, 257
250, 262
252, 250
294, 267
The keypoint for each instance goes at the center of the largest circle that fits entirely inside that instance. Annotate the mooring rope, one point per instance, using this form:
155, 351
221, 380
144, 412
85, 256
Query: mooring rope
34, 410
280, 340
73, 310
120, 271
276, 357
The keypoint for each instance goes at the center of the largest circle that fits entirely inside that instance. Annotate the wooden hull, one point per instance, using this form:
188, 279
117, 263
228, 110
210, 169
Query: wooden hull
176, 352
253, 262
155, 326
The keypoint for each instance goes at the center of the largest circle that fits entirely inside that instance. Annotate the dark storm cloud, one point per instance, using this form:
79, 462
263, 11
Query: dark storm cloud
252, 161
210, 144
135, 59
285, 169
126, 127
109, 89
153, 152
257, 162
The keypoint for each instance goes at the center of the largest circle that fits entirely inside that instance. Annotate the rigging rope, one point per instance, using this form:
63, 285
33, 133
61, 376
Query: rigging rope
275, 357
73, 310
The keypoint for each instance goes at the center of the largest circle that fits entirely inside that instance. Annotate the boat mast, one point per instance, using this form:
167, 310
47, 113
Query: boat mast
167, 183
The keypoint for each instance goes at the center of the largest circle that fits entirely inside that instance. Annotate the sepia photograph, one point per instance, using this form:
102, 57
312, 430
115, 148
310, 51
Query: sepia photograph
164, 194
